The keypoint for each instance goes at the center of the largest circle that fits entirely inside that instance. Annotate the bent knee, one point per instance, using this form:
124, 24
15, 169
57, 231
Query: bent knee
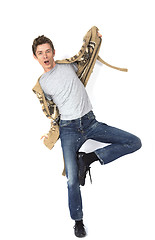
135, 143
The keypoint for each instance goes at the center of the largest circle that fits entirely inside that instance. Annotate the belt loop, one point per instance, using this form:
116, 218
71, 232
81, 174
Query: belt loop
89, 115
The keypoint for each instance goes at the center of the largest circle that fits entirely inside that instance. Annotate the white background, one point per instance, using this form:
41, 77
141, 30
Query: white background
33, 194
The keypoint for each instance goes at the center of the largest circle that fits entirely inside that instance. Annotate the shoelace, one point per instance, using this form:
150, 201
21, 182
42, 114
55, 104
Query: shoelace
88, 170
79, 224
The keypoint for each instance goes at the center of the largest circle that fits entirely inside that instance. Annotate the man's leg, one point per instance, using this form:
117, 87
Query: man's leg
74, 193
71, 142
120, 142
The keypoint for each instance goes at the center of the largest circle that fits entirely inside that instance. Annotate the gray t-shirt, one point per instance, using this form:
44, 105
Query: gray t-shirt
62, 85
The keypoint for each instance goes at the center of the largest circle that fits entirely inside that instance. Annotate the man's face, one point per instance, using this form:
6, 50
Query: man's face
45, 56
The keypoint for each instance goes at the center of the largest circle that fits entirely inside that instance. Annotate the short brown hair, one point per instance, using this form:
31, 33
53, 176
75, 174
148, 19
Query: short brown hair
39, 41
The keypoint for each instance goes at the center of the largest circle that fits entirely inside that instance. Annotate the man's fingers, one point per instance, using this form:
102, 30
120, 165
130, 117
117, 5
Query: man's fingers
99, 34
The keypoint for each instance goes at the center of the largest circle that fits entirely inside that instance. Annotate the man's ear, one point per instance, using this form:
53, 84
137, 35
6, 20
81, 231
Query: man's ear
35, 57
53, 52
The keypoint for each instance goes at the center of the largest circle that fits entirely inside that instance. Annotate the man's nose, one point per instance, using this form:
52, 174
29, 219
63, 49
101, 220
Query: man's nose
45, 55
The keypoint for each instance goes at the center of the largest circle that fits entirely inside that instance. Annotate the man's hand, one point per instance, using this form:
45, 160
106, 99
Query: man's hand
44, 136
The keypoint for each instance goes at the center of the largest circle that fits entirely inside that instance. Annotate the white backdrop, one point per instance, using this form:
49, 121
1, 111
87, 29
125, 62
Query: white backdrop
33, 202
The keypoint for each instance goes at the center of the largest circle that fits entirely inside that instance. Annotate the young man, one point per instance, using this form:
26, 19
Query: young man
61, 84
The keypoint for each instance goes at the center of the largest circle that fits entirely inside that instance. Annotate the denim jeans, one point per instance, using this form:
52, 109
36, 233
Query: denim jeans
73, 134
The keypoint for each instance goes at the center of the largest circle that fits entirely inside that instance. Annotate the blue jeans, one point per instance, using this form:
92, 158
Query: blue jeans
73, 134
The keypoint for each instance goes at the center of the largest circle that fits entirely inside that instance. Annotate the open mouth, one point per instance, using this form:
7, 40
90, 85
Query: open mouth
46, 62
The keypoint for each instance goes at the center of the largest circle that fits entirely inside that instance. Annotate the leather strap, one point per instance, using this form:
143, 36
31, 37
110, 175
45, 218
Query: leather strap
107, 64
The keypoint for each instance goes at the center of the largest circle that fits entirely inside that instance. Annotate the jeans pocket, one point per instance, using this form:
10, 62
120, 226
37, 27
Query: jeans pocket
64, 123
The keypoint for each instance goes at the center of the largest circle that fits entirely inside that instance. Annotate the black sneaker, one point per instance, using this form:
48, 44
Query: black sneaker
83, 169
79, 229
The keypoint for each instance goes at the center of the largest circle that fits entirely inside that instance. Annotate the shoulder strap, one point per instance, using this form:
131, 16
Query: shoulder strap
107, 64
